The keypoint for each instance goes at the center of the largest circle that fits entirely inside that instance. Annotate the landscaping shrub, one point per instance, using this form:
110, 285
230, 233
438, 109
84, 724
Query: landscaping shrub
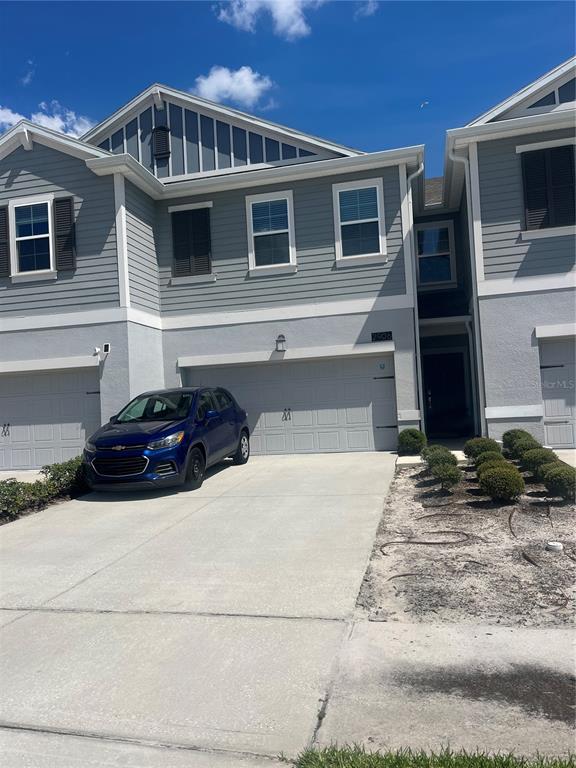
487, 465
447, 474
411, 442
542, 470
488, 456
65, 479
532, 460
478, 445
511, 436
560, 480
522, 445
442, 457
502, 483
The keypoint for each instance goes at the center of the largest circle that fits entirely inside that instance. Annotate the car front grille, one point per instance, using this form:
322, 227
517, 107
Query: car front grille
120, 466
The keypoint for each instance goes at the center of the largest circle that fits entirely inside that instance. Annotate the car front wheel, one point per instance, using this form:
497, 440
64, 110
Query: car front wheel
243, 451
195, 469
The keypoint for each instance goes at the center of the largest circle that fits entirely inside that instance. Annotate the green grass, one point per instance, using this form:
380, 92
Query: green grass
358, 757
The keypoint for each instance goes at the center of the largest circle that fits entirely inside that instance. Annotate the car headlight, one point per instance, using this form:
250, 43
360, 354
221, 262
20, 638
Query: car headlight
167, 442
90, 447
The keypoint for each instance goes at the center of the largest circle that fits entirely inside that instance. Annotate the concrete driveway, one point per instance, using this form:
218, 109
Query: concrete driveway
142, 630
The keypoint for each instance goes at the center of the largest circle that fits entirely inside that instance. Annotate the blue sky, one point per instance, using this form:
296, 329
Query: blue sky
372, 75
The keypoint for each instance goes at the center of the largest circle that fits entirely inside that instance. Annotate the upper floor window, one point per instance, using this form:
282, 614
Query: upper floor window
435, 251
548, 176
32, 237
191, 240
37, 238
359, 219
562, 95
271, 240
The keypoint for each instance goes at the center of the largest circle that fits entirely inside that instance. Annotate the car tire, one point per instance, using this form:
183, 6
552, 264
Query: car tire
195, 470
243, 451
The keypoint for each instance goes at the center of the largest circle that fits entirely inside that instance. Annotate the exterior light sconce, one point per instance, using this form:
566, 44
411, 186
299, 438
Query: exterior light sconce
281, 343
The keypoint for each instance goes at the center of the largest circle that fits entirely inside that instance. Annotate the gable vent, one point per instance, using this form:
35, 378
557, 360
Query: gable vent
161, 142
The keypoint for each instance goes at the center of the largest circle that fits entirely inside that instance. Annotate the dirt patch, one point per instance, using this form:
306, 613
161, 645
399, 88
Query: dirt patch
459, 557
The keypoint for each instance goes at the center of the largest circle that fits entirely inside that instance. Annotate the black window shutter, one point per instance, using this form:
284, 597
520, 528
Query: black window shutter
161, 141
4, 244
191, 242
65, 233
562, 198
535, 178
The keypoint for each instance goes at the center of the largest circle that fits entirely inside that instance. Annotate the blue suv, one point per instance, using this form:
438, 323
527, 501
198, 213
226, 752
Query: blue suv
167, 438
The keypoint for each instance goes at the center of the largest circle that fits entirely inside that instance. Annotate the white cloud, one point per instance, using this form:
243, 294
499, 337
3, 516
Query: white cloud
242, 86
367, 8
52, 115
287, 15
30, 72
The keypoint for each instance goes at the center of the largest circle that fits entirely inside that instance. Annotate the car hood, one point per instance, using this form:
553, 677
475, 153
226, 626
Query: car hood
133, 433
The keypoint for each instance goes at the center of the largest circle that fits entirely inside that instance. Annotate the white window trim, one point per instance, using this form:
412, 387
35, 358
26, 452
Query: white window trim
289, 266
449, 225
537, 234
364, 257
190, 206
39, 274
545, 145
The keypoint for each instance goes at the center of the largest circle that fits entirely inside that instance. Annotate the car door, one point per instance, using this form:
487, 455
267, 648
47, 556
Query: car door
227, 410
213, 429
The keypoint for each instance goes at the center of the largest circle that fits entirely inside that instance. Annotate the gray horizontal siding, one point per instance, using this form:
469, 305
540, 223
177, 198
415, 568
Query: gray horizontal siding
317, 278
142, 262
502, 210
94, 282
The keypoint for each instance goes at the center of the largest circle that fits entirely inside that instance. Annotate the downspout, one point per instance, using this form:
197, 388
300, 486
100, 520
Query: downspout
409, 180
475, 303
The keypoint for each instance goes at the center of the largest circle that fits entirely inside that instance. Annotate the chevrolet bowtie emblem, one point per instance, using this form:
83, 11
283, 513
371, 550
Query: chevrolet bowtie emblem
118, 447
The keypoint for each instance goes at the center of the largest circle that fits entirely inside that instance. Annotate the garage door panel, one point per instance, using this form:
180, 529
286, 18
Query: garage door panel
312, 406
50, 416
558, 378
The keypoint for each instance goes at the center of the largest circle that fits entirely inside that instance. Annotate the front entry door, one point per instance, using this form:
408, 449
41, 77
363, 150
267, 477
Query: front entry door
446, 395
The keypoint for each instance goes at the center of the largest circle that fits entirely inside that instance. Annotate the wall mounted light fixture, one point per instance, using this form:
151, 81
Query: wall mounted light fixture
281, 343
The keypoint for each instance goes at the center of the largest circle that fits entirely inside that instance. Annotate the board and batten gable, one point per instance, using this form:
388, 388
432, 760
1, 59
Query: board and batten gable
93, 284
202, 141
317, 278
141, 246
506, 253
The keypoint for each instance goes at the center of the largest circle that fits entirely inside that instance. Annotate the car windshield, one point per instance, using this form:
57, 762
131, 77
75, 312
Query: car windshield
168, 406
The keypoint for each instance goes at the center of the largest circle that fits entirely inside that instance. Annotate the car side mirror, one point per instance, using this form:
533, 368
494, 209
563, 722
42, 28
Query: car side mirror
211, 414
114, 419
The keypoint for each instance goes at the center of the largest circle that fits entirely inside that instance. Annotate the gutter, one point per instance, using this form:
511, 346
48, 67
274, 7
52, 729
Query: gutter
475, 322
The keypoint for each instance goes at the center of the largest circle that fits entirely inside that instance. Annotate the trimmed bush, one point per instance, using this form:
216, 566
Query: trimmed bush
430, 449
502, 483
532, 460
442, 457
411, 442
478, 445
488, 456
492, 465
511, 436
65, 479
560, 480
542, 470
447, 474
522, 445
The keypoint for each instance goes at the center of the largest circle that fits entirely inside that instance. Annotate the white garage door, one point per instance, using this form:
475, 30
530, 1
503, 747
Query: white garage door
558, 393
46, 417
313, 406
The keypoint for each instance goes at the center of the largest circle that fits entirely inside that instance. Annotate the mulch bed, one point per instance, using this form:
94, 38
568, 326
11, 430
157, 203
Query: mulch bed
460, 557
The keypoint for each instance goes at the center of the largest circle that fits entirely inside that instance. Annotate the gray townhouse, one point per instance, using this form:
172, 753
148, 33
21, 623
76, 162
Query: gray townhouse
339, 294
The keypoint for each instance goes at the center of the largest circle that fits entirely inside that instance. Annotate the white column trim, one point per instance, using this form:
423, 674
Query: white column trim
555, 331
476, 211
121, 239
515, 411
